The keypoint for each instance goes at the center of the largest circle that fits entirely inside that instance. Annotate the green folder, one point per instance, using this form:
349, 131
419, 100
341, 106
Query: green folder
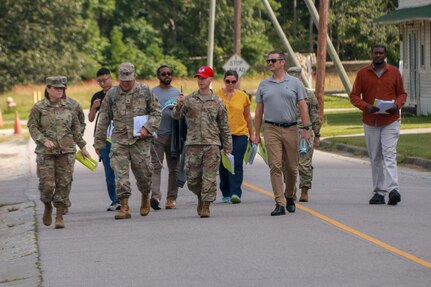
90, 163
227, 161
262, 151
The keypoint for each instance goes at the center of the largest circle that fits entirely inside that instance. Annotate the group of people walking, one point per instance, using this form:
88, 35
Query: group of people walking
139, 127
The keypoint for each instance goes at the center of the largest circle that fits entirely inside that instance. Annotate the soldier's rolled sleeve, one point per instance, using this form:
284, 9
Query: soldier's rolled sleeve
102, 125
223, 124
76, 130
155, 114
33, 125
81, 118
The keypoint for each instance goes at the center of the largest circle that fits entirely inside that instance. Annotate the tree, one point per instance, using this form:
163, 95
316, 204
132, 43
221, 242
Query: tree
40, 39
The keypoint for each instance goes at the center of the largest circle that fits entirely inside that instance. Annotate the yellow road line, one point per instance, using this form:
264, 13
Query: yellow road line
349, 229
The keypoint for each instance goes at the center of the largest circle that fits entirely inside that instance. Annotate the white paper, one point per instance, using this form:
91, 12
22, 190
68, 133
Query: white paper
383, 106
109, 132
138, 123
253, 153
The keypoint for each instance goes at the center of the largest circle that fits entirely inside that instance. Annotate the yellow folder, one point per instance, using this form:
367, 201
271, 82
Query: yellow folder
90, 163
228, 161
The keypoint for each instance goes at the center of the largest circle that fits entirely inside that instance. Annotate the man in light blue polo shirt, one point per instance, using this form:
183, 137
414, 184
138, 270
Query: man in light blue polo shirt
279, 97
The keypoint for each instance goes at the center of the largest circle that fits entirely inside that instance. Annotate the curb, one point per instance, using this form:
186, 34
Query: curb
19, 258
358, 151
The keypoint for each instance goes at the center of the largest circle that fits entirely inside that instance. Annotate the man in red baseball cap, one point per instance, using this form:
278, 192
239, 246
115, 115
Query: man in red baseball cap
205, 72
207, 130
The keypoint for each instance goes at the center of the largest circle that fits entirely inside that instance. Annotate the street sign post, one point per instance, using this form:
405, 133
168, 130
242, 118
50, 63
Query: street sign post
237, 64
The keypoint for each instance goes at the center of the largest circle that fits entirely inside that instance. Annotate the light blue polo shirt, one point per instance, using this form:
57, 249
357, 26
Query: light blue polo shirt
280, 98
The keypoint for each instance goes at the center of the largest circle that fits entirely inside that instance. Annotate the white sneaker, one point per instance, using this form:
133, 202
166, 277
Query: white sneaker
113, 207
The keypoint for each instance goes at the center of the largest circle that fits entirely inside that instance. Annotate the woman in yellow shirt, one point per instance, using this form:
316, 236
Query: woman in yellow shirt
238, 110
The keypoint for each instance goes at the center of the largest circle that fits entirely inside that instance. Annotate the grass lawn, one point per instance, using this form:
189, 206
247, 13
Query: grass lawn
348, 123
408, 145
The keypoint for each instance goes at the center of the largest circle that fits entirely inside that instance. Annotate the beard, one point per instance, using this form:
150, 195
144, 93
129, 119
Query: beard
166, 81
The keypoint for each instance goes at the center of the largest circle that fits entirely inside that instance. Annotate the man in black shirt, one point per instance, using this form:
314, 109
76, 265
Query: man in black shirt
105, 81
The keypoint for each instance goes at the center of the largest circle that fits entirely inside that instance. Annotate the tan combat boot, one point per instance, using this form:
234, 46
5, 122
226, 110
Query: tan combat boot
304, 195
200, 203
59, 217
170, 204
205, 210
145, 205
124, 212
47, 214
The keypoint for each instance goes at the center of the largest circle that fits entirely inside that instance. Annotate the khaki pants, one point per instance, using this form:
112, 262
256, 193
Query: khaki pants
161, 147
282, 143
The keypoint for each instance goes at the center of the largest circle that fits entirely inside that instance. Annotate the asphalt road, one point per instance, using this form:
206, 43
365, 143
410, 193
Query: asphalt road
337, 239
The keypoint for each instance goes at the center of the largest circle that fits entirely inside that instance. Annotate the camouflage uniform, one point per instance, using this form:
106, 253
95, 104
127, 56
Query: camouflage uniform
207, 129
305, 160
121, 107
81, 117
59, 124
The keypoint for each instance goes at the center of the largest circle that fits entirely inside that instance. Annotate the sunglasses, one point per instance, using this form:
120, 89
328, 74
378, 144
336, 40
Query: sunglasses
230, 82
164, 74
273, 60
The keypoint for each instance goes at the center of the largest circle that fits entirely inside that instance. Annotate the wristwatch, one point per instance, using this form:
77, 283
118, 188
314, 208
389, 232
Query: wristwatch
307, 128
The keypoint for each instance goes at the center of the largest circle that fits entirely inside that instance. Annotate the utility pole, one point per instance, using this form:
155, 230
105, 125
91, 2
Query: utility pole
290, 54
331, 50
237, 27
321, 55
211, 34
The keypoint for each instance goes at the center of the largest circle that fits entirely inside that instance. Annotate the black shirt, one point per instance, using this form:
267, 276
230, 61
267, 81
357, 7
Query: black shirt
99, 95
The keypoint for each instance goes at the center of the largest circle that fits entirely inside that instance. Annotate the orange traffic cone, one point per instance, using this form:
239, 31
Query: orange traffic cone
17, 126
1, 119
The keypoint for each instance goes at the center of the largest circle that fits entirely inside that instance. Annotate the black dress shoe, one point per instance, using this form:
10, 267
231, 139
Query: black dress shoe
394, 197
279, 210
155, 204
377, 199
290, 205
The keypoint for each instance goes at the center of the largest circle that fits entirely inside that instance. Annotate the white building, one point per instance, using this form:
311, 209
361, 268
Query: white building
414, 20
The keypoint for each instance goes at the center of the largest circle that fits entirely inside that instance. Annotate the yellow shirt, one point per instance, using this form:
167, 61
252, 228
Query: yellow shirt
235, 111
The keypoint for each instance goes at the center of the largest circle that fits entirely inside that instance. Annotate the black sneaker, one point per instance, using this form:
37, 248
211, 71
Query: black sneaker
155, 204
279, 210
377, 199
394, 197
290, 205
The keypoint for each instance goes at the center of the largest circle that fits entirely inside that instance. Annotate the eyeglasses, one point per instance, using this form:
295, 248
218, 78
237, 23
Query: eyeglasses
272, 61
101, 81
164, 74
230, 82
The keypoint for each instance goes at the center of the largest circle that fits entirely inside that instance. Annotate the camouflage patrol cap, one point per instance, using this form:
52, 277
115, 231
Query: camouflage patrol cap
126, 72
56, 82
63, 80
294, 70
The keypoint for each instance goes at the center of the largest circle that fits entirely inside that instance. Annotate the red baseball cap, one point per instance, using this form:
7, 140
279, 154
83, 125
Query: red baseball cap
205, 72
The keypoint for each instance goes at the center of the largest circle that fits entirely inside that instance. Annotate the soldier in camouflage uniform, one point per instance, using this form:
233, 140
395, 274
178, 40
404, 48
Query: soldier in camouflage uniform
81, 117
54, 126
207, 129
121, 105
305, 160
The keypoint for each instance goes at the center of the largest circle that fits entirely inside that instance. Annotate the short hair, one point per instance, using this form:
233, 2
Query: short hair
231, 73
161, 67
103, 71
379, 46
280, 53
